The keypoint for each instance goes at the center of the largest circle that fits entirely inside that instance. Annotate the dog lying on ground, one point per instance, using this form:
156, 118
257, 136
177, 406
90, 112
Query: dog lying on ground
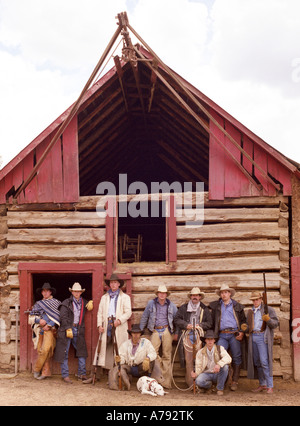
148, 386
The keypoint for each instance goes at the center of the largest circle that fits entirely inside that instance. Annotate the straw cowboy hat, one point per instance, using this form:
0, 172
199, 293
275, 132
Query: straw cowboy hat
114, 277
76, 287
255, 295
225, 287
46, 286
196, 290
162, 289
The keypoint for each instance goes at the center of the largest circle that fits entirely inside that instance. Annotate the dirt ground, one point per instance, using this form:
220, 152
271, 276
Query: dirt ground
23, 390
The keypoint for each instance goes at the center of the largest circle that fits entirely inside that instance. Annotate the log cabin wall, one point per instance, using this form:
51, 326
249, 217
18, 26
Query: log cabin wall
240, 239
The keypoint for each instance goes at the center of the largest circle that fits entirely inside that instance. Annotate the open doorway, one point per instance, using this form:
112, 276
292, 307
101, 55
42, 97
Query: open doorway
62, 283
62, 277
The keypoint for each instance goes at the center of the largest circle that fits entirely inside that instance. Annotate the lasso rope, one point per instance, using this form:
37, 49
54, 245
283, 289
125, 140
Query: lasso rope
188, 346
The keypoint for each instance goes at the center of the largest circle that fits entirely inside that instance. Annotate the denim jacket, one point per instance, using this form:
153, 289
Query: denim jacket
149, 315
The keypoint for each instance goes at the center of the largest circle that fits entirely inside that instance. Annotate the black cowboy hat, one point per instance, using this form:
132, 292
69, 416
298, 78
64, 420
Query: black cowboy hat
114, 277
135, 329
209, 334
46, 286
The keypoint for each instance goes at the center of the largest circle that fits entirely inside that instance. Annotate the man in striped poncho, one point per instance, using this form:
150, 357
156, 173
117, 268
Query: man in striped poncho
44, 319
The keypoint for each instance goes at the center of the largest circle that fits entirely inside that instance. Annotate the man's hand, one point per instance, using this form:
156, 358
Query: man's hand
43, 322
240, 336
117, 323
101, 329
266, 317
216, 369
193, 374
146, 364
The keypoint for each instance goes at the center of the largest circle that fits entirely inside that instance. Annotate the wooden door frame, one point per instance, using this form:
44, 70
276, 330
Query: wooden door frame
26, 270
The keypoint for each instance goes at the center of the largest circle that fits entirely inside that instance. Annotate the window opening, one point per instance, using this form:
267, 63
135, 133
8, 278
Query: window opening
142, 238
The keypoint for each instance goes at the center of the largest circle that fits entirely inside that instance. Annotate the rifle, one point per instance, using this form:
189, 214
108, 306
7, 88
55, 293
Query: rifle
97, 358
265, 300
265, 297
194, 354
113, 335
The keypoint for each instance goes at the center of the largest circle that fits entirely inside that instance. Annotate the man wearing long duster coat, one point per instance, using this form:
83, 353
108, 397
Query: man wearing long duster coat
267, 334
121, 305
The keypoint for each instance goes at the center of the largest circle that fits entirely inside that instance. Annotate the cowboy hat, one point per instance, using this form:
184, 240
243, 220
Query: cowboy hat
135, 329
225, 287
209, 334
76, 287
46, 286
255, 295
114, 277
196, 290
162, 289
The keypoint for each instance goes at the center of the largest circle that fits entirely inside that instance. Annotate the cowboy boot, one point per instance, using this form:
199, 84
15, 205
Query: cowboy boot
235, 377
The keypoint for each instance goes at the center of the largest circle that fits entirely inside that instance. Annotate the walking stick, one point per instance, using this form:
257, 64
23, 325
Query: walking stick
97, 358
113, 332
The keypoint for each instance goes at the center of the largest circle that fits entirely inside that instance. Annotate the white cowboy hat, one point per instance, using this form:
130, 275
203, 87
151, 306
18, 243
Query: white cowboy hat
162, 289
76, 287
225, 287
196, 290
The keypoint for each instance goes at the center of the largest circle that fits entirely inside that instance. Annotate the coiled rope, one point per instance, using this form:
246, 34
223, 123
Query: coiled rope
188, 346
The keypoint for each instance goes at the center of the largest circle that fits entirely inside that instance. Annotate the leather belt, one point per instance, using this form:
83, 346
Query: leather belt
257, 332
228, 331
161, 327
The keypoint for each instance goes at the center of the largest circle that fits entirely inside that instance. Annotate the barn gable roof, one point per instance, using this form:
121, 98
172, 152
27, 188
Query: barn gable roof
130, 121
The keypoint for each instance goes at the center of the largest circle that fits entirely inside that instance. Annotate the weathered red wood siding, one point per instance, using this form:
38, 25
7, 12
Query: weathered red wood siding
226, 180
57, 179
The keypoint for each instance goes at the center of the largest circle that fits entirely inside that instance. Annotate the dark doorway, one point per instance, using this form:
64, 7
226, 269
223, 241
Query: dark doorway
62, 283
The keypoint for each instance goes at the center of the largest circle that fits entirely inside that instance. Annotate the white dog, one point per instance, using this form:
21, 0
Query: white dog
148, 386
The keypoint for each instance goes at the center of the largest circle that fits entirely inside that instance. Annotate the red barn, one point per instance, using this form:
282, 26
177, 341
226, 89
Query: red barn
139, 126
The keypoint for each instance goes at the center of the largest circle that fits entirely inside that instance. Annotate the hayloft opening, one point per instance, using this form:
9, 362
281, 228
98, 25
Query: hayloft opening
142, 238
140, 129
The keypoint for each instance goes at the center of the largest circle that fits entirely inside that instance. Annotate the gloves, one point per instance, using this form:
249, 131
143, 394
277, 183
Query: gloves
89, 306
266, 317
146, 364
117, 359
69, 333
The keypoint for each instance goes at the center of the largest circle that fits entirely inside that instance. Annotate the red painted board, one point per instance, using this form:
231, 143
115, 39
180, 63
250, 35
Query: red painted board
281, 174
44, 174
216, 161
57, 172
234, 177
31, 189
71, 162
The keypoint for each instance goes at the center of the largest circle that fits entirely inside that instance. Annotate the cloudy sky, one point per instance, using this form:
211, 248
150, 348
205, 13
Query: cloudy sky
243, 54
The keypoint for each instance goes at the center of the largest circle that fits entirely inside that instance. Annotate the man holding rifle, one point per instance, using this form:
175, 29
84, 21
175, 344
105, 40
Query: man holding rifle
261, 320
113, 313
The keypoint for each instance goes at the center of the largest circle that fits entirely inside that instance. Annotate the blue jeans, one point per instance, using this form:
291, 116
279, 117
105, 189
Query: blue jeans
81, 360
229, 341
205, 380
261, 360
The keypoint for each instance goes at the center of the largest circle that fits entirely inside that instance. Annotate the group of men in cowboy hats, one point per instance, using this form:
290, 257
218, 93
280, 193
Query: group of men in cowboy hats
221, 326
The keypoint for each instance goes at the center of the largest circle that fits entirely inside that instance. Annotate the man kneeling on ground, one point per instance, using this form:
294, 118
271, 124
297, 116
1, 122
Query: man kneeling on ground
212, 365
